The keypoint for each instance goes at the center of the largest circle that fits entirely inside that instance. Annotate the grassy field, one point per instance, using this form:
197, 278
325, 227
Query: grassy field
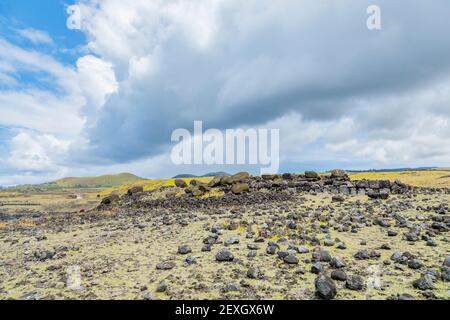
432, 178
150, 185
100, 181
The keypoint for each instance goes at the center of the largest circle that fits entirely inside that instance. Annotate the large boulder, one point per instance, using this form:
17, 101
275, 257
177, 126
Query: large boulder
111, 199
240, 188
180, 183
269, 177
325, 287
339, 174
215, 182
240, 177
197, 191
311, 175
135, 190
383, 195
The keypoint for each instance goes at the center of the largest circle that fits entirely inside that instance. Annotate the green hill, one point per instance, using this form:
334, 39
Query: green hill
107, 181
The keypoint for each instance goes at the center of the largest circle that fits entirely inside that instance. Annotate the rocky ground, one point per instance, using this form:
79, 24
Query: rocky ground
240, 237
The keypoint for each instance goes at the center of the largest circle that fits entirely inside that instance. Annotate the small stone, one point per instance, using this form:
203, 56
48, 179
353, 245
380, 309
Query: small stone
253, 273
392, 233
446, 262
362, 255
337, 263
415, 264
341, 245
184, 249
162, 286
224, 255
355, 283
206, 248
317, 268
271, 249
302, 250
290, 259
231, 241
338, 275
166, 265
190, 260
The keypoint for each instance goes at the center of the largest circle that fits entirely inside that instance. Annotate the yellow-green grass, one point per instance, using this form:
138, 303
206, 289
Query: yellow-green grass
100, 181
432, 178
149, 185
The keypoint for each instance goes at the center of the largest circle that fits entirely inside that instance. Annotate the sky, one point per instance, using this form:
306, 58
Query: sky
106, 97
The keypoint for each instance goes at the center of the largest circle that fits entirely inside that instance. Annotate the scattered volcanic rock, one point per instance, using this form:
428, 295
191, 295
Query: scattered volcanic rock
240, 188
325, 287
135, 190
425, 282
110, 199
165, 265
355, 282
180, 183
184, 249
224, 255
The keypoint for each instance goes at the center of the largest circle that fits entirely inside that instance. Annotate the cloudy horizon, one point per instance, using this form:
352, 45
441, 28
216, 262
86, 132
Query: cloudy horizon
106, 98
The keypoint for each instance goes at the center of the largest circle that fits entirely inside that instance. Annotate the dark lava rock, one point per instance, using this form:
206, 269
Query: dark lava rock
282, 254
392, 233
166, 265
355, 283
135, 190
339, 174
317, 268
271, 249
424, 283
231, 287
311, 175
446, 262
110, 199
190, 260
322, 256
445, 274
180, 183
253, 273
290, 259
362, 255
224, 255
338, 275
44, 255
240, 188
415, 264
337, 263
206, 248
162, 286
378, 195
337, 198
412, 237
325, 287
230, 241
184, 249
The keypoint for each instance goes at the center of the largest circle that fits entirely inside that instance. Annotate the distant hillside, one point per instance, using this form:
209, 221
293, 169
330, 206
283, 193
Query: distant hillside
395, 170
210, 174
106, 181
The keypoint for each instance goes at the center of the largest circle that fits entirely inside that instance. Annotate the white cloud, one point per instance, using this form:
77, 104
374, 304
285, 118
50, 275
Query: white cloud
36, 152
96, 79
36, 36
